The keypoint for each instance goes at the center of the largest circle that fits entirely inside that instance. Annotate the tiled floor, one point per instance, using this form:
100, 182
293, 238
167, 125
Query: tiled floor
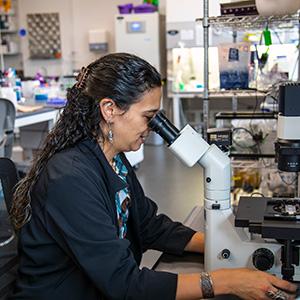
174, 187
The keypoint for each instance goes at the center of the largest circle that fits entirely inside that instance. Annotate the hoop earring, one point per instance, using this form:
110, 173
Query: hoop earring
110, 134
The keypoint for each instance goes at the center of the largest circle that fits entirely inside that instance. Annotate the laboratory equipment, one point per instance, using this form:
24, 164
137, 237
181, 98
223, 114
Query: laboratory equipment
143, 35
230, 241
185, 47
288, 129
98, 40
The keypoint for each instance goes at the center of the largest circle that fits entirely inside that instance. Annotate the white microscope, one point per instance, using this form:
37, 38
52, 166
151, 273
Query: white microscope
244, 240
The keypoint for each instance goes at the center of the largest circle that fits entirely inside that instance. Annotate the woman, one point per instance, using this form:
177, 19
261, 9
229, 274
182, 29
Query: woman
83, 217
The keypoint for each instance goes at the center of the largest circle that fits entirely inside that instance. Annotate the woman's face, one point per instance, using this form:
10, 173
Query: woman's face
130, 129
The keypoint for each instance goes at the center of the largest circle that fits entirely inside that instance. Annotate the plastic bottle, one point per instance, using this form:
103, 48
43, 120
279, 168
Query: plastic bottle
18, 88
10, 75
179, 85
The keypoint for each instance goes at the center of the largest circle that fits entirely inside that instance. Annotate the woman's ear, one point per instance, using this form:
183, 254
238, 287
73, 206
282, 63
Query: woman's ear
107, 108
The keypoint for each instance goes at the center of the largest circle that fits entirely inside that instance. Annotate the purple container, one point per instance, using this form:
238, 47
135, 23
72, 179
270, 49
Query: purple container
144, 8
125, 9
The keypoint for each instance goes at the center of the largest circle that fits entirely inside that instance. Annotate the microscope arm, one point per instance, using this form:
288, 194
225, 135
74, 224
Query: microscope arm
228, 245
191, 148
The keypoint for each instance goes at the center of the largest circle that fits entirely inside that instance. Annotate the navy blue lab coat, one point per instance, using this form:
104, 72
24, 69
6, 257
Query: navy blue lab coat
70, 248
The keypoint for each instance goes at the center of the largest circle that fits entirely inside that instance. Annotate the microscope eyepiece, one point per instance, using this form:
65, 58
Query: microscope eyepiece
162, 126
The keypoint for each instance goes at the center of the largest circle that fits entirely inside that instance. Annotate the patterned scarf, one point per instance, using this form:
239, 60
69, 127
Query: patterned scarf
122, 197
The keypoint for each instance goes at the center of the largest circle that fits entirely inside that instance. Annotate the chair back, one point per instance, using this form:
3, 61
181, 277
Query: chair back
7, 124
8, 242
8, 178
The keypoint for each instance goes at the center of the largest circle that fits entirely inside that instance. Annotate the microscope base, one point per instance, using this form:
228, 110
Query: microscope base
228, 246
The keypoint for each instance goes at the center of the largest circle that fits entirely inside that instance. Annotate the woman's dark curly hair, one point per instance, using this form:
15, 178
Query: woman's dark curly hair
121, 77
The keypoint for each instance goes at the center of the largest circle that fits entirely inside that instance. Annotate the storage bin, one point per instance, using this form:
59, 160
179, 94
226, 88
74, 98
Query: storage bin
125, 9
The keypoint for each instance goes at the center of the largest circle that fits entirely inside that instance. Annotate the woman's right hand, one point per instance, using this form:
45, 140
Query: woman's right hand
250, 284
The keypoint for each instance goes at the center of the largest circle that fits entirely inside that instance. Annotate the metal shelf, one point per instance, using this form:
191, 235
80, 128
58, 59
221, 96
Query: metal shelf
7, 14
220, 94
11, 53
8, 30
253, 22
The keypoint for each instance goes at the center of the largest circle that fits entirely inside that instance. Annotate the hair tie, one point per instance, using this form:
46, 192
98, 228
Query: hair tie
81, 78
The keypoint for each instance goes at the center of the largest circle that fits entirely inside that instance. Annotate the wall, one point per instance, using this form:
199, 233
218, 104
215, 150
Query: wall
77, 17
48, 67
93, 14
189, 10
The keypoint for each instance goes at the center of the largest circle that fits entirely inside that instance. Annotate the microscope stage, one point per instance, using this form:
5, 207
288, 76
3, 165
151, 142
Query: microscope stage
271, 217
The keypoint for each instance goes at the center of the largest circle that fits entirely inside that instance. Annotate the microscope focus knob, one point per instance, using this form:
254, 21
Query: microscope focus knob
263, 259
225, 254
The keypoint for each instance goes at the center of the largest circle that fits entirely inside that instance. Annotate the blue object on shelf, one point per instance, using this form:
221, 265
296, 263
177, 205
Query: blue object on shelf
59, 102
144, 8
41, 97
22, 32
234, 80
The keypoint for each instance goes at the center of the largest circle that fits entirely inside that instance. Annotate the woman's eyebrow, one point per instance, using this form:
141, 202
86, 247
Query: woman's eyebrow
151, 110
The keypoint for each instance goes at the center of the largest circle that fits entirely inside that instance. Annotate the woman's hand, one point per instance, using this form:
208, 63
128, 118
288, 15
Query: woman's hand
250, 284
